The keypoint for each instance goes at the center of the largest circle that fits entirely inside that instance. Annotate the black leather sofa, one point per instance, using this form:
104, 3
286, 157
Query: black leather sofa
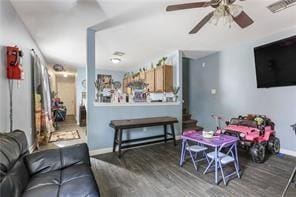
56, 172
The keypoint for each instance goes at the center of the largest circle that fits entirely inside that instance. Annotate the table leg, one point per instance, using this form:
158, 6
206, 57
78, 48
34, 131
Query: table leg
119, 143
216, 165
115, 138
236, 156
165, 133
291, 179
182, 152
173, 133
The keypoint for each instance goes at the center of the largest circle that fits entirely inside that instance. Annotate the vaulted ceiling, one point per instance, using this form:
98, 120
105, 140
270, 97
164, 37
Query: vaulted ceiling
139, 28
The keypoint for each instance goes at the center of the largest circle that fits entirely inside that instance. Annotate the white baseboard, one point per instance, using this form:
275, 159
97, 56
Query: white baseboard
178, 137
110, 149
288, 152
100, 151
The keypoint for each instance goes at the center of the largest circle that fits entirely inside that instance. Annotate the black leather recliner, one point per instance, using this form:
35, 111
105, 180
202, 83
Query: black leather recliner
57, 172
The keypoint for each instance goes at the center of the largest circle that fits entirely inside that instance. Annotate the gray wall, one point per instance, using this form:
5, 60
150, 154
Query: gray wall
14, 32
232, 73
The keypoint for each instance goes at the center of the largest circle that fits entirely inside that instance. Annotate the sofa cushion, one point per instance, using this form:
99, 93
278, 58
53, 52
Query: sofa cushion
46, 184
15, 181
78, 180
14, 175
56, 159
75, 180
13, 146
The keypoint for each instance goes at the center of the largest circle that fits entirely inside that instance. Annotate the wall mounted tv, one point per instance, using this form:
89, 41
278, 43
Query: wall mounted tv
276, 63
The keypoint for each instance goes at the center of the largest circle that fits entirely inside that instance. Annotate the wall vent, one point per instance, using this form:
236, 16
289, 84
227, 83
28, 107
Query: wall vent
281, 5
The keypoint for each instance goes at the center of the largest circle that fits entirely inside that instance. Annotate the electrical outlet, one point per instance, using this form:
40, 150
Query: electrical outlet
213, 91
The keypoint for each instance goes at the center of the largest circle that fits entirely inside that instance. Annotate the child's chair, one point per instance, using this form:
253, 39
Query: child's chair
224, 159
193, 152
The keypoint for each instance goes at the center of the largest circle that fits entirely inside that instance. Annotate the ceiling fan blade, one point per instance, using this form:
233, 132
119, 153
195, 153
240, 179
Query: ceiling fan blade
202, 23
243, 20
188, 6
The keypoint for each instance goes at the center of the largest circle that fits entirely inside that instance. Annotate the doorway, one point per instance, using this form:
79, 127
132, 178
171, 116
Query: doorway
67, 131
66, 91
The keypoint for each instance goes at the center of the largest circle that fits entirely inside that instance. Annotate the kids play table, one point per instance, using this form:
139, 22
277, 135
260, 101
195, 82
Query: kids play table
214, 142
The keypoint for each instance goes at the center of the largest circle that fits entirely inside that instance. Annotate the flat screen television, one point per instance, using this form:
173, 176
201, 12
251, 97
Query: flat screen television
276, 63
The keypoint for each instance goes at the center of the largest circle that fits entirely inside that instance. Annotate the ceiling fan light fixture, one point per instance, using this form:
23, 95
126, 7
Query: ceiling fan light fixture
235, 9
226, 13
224, 9
228, 20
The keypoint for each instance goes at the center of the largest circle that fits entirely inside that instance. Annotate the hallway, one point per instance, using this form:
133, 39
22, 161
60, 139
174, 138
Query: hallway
67, 126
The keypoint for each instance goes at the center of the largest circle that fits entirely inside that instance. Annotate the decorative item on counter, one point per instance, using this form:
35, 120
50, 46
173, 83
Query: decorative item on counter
103, 85
170, 97
105, 81
175, 91
116, 85
151, 66
139, 84
126, 98
161, 62
148, 98
139, 95
164, 97
99, 90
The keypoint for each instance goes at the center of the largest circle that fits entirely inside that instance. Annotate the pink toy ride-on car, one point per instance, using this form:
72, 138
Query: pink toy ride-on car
256, 134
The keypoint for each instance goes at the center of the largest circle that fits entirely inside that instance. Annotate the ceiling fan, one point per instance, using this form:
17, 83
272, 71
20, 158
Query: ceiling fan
225, 9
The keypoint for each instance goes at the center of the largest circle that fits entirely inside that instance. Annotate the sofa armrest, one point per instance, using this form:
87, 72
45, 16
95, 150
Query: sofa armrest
55, 159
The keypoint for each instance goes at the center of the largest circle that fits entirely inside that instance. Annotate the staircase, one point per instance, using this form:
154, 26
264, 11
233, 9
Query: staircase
188, 123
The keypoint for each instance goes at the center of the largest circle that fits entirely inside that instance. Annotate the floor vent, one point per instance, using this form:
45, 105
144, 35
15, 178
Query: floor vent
281, 5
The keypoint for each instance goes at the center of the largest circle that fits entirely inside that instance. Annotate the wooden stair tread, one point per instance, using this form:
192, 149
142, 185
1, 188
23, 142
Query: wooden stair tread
191, 121
197, 128
186, 117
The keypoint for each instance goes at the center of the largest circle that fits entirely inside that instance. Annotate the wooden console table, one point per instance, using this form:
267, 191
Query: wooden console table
120, 125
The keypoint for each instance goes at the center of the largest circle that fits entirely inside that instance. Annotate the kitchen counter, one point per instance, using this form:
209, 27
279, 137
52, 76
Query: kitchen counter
96, 104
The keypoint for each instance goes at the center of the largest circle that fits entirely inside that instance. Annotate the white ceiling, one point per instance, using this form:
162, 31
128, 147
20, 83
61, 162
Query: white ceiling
140, 28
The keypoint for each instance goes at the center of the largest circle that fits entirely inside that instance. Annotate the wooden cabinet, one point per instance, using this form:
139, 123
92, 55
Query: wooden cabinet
159, 79
149, 79
142, 75
159, 85
164, 78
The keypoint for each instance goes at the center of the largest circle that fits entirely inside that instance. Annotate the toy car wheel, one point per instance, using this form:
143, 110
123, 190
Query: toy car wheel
258, 153
274, 145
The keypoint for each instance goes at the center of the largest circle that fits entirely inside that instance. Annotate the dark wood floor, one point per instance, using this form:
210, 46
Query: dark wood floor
154, 171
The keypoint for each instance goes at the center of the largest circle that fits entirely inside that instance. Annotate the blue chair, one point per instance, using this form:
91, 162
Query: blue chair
224, 159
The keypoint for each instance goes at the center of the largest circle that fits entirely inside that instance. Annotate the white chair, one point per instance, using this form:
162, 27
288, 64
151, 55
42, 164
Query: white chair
224, 159
195, 149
